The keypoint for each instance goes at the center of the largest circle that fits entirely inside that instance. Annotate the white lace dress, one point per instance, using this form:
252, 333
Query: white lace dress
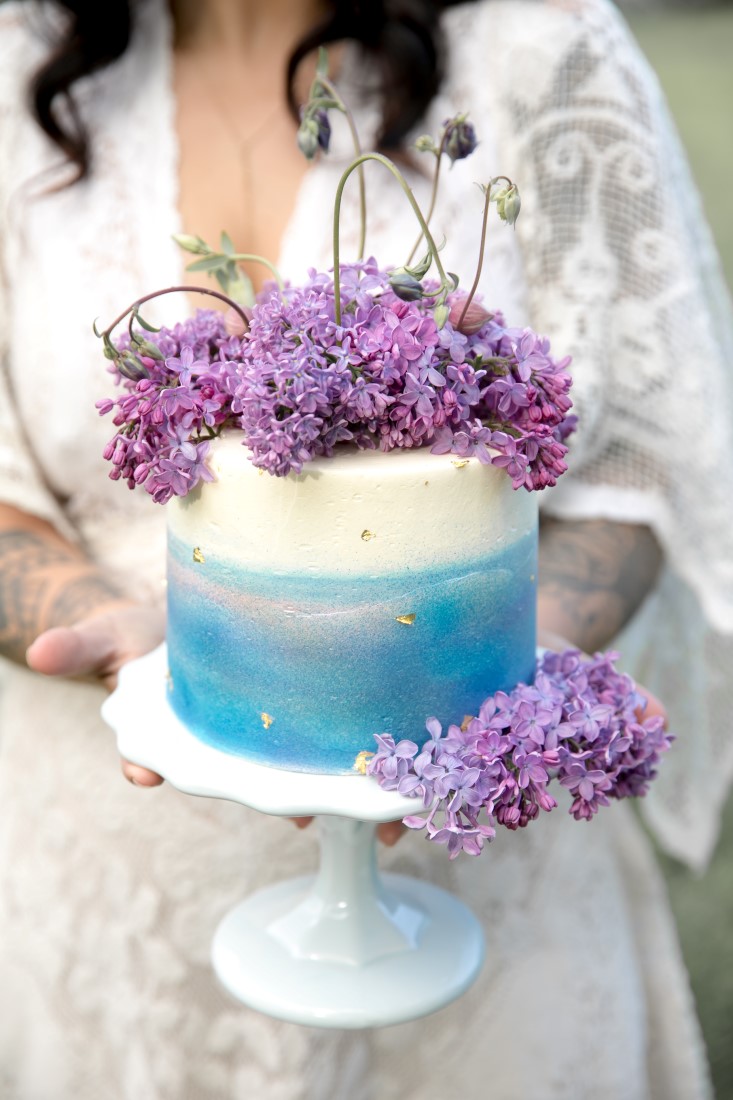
109, 895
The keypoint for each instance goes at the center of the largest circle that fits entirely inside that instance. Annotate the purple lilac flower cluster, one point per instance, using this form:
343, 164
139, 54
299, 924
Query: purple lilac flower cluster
579, 724
297, 383
166, 419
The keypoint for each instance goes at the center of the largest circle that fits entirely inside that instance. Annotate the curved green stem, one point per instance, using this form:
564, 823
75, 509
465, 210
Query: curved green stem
172, 290
433, 197
328, 86
248, 257
380, 159
482, 248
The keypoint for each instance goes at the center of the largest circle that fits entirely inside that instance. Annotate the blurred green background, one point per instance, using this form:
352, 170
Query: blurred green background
691, 49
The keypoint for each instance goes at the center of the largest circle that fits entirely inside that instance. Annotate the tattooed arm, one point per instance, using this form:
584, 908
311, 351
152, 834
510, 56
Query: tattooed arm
59, 613
44, 582
594, 574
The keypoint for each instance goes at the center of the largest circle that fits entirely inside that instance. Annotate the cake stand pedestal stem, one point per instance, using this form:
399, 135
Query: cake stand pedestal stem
348, 915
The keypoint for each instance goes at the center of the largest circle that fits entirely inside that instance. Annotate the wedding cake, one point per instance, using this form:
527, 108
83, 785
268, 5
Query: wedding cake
309, 612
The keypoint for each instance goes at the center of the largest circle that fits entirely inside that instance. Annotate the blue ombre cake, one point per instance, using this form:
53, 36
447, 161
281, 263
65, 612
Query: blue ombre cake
374, 590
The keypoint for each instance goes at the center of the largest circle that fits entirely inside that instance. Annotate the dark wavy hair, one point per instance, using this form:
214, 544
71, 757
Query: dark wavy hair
402, 35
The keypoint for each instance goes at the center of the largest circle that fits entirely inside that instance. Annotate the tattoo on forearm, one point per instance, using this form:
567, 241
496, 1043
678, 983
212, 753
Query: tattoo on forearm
594, 574
42, 584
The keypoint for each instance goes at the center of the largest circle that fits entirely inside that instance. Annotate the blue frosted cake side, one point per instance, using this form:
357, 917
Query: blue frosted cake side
299, 671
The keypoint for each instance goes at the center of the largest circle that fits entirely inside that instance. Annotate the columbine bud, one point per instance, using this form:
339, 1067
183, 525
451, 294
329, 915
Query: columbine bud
405, 286
460, 138
191, 244
475, 317
314, 133
508, 204
151, 350
440, 314
425, 144
308, 138
130, 367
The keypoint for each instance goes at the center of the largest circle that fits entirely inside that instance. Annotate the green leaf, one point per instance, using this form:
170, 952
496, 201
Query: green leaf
227, 244
421, 269
221, 278
453, 278
322, 66
145, 324
210, 263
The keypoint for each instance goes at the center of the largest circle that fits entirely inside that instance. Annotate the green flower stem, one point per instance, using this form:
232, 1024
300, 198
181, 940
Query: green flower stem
326, 84
248, 257
433, 197
380, 159
172, 290
482, 246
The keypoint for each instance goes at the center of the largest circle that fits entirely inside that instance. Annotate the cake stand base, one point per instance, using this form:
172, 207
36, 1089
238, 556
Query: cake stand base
258, 968
346, 948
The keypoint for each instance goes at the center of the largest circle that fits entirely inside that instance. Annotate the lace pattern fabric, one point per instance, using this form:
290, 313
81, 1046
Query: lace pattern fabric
109, 896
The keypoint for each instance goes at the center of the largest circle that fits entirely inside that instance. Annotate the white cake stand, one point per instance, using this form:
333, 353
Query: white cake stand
346, 947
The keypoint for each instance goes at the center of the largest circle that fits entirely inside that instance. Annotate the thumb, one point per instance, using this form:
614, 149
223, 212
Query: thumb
87, 647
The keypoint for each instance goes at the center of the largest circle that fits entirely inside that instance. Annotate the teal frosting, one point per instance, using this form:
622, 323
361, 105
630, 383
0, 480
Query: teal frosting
326, 659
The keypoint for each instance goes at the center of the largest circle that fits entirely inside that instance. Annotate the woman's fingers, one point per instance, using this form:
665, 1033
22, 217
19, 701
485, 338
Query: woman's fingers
389, 833
81, 650
98, 645
653, 706
141, 777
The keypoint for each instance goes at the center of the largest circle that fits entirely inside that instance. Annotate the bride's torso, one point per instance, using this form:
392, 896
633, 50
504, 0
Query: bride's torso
160, 168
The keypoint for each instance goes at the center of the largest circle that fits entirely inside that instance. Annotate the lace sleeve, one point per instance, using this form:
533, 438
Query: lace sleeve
21, 483
623, 275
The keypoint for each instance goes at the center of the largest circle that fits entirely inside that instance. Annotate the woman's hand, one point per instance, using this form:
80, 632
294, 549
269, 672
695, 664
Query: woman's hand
549, 640
97, 647
389, 832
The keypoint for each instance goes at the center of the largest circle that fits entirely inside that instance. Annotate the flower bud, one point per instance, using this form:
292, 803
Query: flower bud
314, 133
508, 204
425, 144
440, 314
151, 350
130, 367
406, 286
474, 318
459, 139
191, 244
308, 138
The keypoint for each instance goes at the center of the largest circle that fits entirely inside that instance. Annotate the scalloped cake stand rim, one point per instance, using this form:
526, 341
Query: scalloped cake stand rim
150, 734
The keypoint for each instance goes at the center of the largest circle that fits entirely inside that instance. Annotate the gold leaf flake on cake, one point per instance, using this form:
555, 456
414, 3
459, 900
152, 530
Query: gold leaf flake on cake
467, 719
531, 577
459, 463
367, 535
408, 620
198, 557
267, 719
360, 764
168, 679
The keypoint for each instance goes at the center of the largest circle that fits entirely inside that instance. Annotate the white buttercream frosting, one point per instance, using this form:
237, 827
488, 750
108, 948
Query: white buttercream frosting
362, 511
